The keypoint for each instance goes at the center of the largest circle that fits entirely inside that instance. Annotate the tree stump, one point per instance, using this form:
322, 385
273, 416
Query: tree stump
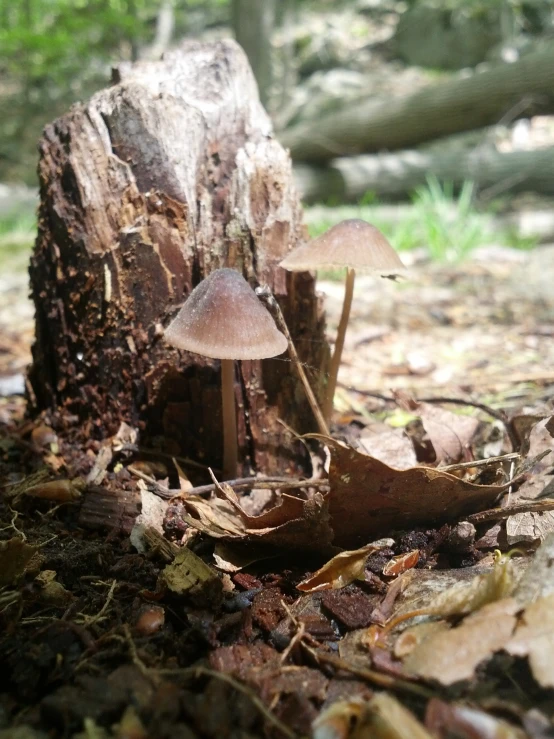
158, 180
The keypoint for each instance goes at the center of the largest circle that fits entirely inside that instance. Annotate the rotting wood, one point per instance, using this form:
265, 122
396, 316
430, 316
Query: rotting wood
156, 181
393, 174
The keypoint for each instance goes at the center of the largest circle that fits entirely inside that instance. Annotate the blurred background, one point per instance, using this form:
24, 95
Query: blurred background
340, 64
433, 119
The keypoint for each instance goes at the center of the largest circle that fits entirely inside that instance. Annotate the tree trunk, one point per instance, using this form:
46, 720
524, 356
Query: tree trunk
253, 22
396, 175
516, 90
157, 181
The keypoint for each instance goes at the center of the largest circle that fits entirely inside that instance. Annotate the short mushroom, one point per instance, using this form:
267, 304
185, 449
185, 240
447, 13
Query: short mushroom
223, 319
356, 245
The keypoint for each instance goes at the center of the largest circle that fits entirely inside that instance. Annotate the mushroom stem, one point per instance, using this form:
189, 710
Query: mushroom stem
230, 445
339, 344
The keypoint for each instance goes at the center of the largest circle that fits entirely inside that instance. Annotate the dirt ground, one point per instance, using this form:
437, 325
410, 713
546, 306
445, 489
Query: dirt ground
98, 641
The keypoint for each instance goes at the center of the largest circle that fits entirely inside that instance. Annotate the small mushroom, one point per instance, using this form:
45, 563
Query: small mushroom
223, 319
356, 245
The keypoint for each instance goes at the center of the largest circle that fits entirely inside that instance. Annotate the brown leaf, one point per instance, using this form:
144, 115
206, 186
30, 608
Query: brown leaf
402, 562
453, 655
340, 571
466, 597
61, 491
388, 719
534, 526
391, 446
368, 498
534, 638
295, 524
451, 719
449, 432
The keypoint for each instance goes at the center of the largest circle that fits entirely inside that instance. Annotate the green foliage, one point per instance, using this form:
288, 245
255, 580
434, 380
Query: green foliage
54, 52
17, 234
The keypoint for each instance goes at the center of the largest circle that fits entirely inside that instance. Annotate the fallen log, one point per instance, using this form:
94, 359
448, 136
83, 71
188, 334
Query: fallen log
521, 89
346, 179
161, 178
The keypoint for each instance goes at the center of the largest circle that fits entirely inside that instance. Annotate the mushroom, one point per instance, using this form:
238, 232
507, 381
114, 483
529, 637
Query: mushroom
223, 319
354, 244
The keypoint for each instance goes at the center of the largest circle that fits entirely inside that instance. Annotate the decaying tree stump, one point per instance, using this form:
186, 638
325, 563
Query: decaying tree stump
165, 176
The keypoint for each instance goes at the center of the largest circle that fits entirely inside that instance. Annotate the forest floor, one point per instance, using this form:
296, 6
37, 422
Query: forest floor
102, 640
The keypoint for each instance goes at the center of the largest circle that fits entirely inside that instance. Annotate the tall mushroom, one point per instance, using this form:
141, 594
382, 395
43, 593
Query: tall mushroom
223, 319
356, 245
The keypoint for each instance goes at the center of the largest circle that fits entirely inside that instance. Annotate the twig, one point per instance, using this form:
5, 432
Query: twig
264, 483
268, 299
162, 490
134, 655
372, 676
498, 514
89, 620
480, 462
240, 687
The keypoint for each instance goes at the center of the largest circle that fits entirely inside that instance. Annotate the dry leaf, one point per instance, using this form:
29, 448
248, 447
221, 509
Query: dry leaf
391, 446
534, 526
339, 719
368, 498
534, 638
61, 491
538, 579
382, 717
465, 597
295, 524
340, 571
451, 719
413, 636
453, 655
15, 555
449, 432
386, 718
402, 562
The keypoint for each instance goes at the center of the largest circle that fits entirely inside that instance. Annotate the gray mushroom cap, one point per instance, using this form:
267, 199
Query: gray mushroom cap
352, 243
223, 319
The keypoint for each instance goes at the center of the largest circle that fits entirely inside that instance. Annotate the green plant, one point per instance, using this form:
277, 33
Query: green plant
449, 224
17, 233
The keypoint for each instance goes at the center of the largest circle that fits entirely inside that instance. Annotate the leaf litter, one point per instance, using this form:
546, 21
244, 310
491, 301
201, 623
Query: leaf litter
289, 636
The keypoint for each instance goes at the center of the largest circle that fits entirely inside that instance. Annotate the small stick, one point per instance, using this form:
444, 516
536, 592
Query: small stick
498, 514
480, 462
268, 299
372, 676
265, 483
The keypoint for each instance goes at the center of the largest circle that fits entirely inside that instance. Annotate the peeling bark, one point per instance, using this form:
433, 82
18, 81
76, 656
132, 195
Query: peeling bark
158, 180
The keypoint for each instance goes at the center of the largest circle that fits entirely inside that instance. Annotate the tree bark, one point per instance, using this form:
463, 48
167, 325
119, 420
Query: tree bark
396, 175
157, 181
521, 89
253, 22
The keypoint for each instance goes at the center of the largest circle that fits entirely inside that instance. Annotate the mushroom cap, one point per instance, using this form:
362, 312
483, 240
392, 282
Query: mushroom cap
352, 243
223, 319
